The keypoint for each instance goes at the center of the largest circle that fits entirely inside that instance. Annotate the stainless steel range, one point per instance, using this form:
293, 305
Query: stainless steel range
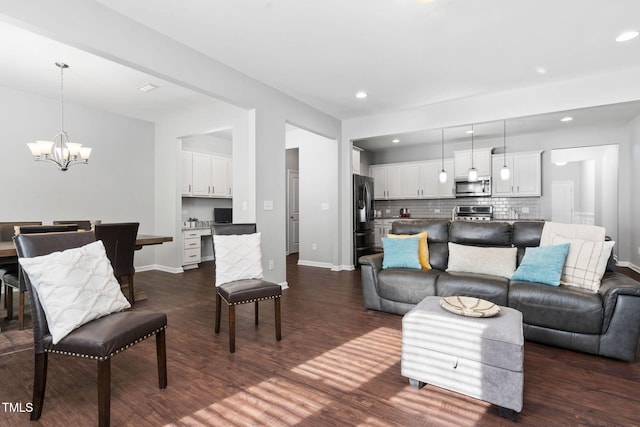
473, 213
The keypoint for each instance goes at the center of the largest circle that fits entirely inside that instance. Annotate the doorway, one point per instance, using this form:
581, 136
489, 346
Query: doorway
293, 212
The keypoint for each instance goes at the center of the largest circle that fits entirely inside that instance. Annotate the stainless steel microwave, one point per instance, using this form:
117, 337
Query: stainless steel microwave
479, 188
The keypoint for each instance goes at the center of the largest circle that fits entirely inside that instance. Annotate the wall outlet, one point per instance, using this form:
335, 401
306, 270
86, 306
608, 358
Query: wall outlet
525, 209
314, 246
185, 212
271, 264
638, 250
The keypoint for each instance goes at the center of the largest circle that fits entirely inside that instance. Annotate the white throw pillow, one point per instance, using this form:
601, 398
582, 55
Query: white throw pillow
586, 262
74, 286
475, 259
238, 257
594, 233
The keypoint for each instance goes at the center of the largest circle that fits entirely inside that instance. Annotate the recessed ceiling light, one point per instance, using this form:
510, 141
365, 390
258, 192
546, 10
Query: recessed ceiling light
470, 131
541, 70
626, 36
147, 88
361, 95
395, 141
566, 119
560, 163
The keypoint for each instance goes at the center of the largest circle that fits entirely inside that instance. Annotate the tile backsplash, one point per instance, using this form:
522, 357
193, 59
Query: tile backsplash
503, 207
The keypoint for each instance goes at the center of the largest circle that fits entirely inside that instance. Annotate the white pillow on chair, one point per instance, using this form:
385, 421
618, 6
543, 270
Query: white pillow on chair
74, 286
238, 257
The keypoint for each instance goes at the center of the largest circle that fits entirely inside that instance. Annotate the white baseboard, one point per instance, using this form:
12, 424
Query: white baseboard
328, 265
314, 264
342, 268
159, 267
628, 264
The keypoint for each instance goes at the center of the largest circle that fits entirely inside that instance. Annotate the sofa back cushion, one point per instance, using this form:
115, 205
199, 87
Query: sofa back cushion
526, 234
480, 233
437, 237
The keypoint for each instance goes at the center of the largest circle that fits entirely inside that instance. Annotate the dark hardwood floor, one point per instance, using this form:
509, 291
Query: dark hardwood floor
337, 364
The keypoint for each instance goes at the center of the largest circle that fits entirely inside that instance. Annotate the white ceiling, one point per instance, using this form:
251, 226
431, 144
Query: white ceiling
404, 53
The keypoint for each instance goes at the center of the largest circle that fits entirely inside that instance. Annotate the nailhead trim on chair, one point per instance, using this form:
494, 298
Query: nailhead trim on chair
101, 358
252, 300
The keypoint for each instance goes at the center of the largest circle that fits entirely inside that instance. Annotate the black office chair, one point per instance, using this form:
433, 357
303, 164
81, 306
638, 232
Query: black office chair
120, 243
243, 291
99, 339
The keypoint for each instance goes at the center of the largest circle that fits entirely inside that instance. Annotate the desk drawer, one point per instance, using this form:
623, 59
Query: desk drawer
191, 256
192, 243
191, 234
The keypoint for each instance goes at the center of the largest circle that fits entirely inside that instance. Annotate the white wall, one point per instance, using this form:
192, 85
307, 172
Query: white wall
99, 30
633, 200
117, 185
318, 200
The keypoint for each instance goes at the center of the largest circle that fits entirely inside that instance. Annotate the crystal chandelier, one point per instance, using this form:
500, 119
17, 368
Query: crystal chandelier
60, 150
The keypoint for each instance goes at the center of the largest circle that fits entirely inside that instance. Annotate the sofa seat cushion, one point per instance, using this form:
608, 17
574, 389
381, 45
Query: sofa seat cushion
565, 308
490, 288
407, 285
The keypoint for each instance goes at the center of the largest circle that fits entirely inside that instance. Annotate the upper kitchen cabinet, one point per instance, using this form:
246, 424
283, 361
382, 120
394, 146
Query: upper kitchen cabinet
387, 182
355, 160
210, 175
525, 178
421, 180
187, 173
481, 161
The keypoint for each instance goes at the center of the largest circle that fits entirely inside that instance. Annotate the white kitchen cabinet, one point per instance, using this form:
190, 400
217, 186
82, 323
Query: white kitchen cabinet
387, 181
525, 178
382, 227
355, 160
187, 173
210, 175
191, 254
481, 161
411, 181
418, 180
201, 175
220, 176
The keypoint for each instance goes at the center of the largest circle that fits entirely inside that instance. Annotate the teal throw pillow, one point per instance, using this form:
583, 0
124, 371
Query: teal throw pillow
401, 253
542, 264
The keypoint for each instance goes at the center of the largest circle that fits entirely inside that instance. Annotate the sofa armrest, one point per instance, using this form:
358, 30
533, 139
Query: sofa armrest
370, 266
374, 260
614, 284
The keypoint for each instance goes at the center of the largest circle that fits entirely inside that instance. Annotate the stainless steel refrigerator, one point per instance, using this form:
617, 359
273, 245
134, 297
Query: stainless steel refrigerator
363, 217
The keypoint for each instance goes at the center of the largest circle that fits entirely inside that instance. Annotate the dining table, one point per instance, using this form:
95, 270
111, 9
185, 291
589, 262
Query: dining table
8, 250
8, 253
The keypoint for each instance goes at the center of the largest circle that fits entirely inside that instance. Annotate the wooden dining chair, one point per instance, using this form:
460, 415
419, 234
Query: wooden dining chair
241, 291
99, 339
120, 242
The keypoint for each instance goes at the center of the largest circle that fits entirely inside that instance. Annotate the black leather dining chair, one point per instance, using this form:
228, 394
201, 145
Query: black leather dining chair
99, 339
120, 243
9, 272
83, 224
243, 291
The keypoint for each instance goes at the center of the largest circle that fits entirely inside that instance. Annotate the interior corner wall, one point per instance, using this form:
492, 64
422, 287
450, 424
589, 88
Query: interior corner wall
634, 192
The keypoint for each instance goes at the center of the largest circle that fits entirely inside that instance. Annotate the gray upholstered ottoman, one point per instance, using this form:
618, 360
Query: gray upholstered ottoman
478, 357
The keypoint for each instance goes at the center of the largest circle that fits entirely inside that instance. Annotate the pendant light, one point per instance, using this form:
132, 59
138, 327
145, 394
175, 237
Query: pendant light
473, 173
60, 151
443, 173
505, 173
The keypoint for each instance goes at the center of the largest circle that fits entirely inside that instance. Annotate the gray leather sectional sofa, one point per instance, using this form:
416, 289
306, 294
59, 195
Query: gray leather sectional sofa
605, 323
